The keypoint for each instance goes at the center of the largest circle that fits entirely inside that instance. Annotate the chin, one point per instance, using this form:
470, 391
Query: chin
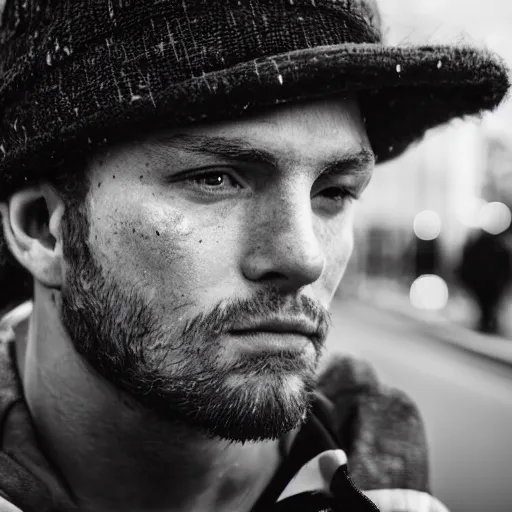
254, 408
267, 414
251, 406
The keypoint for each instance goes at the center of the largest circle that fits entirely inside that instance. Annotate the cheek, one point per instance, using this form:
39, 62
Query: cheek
338, 258
156, 236
141, 242
338, 243
169, 253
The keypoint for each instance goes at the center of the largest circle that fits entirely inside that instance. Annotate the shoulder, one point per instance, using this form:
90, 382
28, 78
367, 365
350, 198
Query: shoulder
350, 382
10, 386
11, 319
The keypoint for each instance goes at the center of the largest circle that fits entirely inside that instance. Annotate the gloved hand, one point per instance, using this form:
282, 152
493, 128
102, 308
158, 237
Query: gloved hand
5, 506
405, 500
323, 485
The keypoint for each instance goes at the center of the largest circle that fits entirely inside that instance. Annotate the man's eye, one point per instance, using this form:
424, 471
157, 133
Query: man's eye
334, 200
338, 194
215, 180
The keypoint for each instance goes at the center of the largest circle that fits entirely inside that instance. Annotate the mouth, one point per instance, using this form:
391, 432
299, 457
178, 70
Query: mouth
299, 327
268, 341
283, 336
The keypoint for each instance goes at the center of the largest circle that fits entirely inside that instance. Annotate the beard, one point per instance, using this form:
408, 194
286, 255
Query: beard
179, 370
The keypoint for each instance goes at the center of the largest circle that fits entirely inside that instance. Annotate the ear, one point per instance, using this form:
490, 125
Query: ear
32, 227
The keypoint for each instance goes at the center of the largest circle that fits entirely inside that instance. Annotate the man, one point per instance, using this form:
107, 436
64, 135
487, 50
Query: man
485, 270
178, 181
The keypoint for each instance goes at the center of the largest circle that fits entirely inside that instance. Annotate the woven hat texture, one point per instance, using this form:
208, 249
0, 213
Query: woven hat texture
77, 73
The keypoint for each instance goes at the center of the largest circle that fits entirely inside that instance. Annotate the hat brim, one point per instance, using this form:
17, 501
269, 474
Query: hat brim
403, 92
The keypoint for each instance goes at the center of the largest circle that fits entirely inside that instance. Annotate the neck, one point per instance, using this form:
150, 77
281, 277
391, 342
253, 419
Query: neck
114, 455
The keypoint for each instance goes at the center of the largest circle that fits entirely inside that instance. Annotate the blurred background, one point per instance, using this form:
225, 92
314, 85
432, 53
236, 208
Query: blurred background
434, 226
427, 297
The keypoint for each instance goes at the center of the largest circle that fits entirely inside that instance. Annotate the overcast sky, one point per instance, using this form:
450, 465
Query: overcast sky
488, 21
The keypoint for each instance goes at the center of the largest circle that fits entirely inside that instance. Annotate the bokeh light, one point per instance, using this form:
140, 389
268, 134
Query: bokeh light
495, 218
427, 225
429, 292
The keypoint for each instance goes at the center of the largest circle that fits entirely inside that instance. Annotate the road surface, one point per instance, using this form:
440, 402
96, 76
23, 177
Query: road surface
465, 400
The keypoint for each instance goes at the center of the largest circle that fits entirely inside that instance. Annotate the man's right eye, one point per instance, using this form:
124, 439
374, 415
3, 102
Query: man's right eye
214, 182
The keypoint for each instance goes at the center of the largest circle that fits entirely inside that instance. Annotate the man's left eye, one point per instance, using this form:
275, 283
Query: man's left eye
338, 194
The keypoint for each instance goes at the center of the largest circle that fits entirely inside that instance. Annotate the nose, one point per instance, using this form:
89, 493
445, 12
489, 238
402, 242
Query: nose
283, 248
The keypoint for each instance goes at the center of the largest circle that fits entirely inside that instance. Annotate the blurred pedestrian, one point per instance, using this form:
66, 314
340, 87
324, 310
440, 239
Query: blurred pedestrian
177, 184
486, 272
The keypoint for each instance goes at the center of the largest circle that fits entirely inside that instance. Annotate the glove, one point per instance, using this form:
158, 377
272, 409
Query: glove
5, 506
323, 485
405, 500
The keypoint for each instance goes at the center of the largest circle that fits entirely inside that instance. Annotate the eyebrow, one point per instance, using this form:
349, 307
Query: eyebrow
357, 161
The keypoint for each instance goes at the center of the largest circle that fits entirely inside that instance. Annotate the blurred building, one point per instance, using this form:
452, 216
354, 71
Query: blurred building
420, 209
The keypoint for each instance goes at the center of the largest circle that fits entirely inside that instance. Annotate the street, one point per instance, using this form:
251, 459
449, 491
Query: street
465, 400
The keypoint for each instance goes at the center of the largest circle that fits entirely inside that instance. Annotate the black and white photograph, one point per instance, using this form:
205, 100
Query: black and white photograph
255, 256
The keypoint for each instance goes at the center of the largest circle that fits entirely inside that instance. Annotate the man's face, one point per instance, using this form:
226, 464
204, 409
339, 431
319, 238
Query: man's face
213, 253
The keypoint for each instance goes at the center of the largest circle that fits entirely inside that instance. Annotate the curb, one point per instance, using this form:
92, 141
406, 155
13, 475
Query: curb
496, 348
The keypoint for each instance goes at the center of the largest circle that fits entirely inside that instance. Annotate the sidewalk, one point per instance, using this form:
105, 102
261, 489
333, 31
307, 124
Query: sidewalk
451, 325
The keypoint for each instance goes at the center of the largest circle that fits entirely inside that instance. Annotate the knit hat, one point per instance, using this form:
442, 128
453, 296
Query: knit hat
77, 73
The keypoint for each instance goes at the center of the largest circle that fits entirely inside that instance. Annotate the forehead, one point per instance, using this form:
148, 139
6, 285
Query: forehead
305, 131
307, 134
